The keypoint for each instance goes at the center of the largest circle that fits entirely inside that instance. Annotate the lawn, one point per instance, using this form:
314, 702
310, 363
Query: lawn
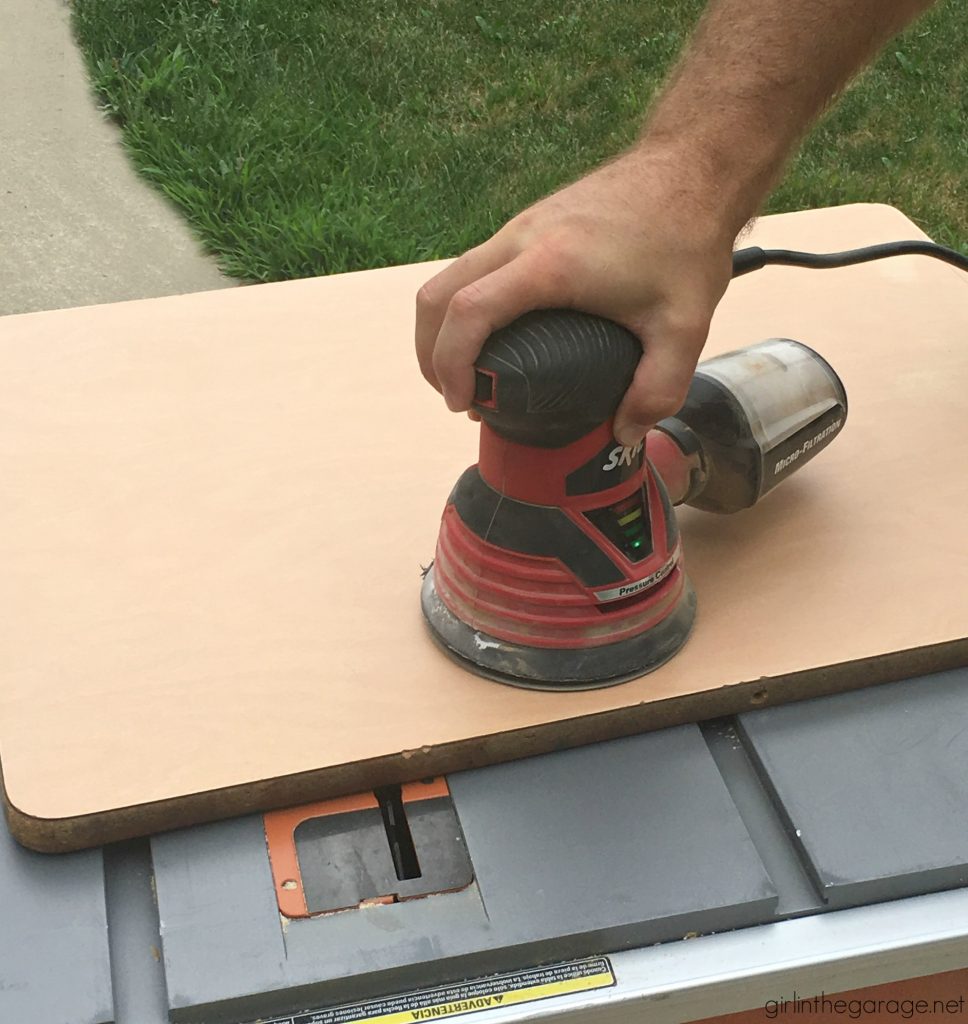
304, 137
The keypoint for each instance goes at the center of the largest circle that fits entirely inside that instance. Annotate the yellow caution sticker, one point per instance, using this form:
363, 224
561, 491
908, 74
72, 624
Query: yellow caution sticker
467, 997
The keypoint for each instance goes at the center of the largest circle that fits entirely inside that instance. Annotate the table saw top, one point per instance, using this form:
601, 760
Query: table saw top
824, 836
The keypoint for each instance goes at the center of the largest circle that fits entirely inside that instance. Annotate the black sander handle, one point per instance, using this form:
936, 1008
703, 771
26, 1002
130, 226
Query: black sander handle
553, 375
751, 417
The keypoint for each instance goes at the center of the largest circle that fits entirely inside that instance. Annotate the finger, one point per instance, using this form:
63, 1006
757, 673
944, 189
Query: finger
472, 415
663, 376
484, 305
435, 295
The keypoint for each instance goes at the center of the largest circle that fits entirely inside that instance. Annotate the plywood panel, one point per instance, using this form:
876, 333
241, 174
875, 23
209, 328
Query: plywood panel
217, 506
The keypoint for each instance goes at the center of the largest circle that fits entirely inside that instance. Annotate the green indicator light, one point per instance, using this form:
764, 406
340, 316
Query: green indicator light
636, 544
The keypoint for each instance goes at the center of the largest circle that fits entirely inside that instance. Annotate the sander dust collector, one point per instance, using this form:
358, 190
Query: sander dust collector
559, 564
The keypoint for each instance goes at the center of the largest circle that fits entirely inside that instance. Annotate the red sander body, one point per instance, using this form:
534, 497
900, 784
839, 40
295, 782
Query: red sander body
559, 563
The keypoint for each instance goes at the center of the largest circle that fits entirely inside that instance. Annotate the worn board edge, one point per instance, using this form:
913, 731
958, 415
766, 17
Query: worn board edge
62, 835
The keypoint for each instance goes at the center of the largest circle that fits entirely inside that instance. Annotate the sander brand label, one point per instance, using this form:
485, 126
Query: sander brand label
610, 466
621, 456
468, 997
615, 593
807, 446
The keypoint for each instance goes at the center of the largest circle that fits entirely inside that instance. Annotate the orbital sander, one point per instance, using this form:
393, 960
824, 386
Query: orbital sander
559, 562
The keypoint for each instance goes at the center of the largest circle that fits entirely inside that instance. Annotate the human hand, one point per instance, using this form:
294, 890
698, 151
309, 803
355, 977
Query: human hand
639, 241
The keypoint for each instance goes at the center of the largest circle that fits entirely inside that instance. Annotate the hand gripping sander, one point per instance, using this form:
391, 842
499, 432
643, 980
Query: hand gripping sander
559, 564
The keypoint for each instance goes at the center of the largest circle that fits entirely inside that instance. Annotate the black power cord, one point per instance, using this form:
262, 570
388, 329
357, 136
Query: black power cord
753, 258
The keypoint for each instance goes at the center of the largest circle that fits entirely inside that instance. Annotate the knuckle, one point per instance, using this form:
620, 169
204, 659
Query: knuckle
557, 269
556, 255
665, 404
522, 224
467, 302
689, 323
427, 297
658, 403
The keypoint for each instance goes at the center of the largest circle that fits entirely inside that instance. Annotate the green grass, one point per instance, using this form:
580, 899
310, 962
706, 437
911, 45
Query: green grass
303, 137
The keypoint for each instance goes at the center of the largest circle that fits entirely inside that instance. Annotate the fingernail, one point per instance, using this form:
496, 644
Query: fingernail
630, 434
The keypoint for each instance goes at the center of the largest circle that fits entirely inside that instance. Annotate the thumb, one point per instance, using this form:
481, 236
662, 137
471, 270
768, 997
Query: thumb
661, 380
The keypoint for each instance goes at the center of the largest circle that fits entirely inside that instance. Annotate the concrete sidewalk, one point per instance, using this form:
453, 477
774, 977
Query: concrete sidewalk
77, 225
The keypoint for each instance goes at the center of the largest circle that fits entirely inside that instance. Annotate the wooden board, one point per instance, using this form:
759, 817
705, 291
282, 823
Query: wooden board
216, 507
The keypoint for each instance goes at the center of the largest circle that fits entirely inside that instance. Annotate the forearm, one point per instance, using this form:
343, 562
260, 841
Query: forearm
754, 78
646, 240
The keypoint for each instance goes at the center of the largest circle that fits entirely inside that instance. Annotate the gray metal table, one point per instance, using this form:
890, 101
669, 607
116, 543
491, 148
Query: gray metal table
689, 872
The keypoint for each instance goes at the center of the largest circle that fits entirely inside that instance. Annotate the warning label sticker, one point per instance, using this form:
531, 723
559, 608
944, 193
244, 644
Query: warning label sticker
467, 997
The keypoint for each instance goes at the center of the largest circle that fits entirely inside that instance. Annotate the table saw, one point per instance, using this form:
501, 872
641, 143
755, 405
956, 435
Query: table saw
819, 846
